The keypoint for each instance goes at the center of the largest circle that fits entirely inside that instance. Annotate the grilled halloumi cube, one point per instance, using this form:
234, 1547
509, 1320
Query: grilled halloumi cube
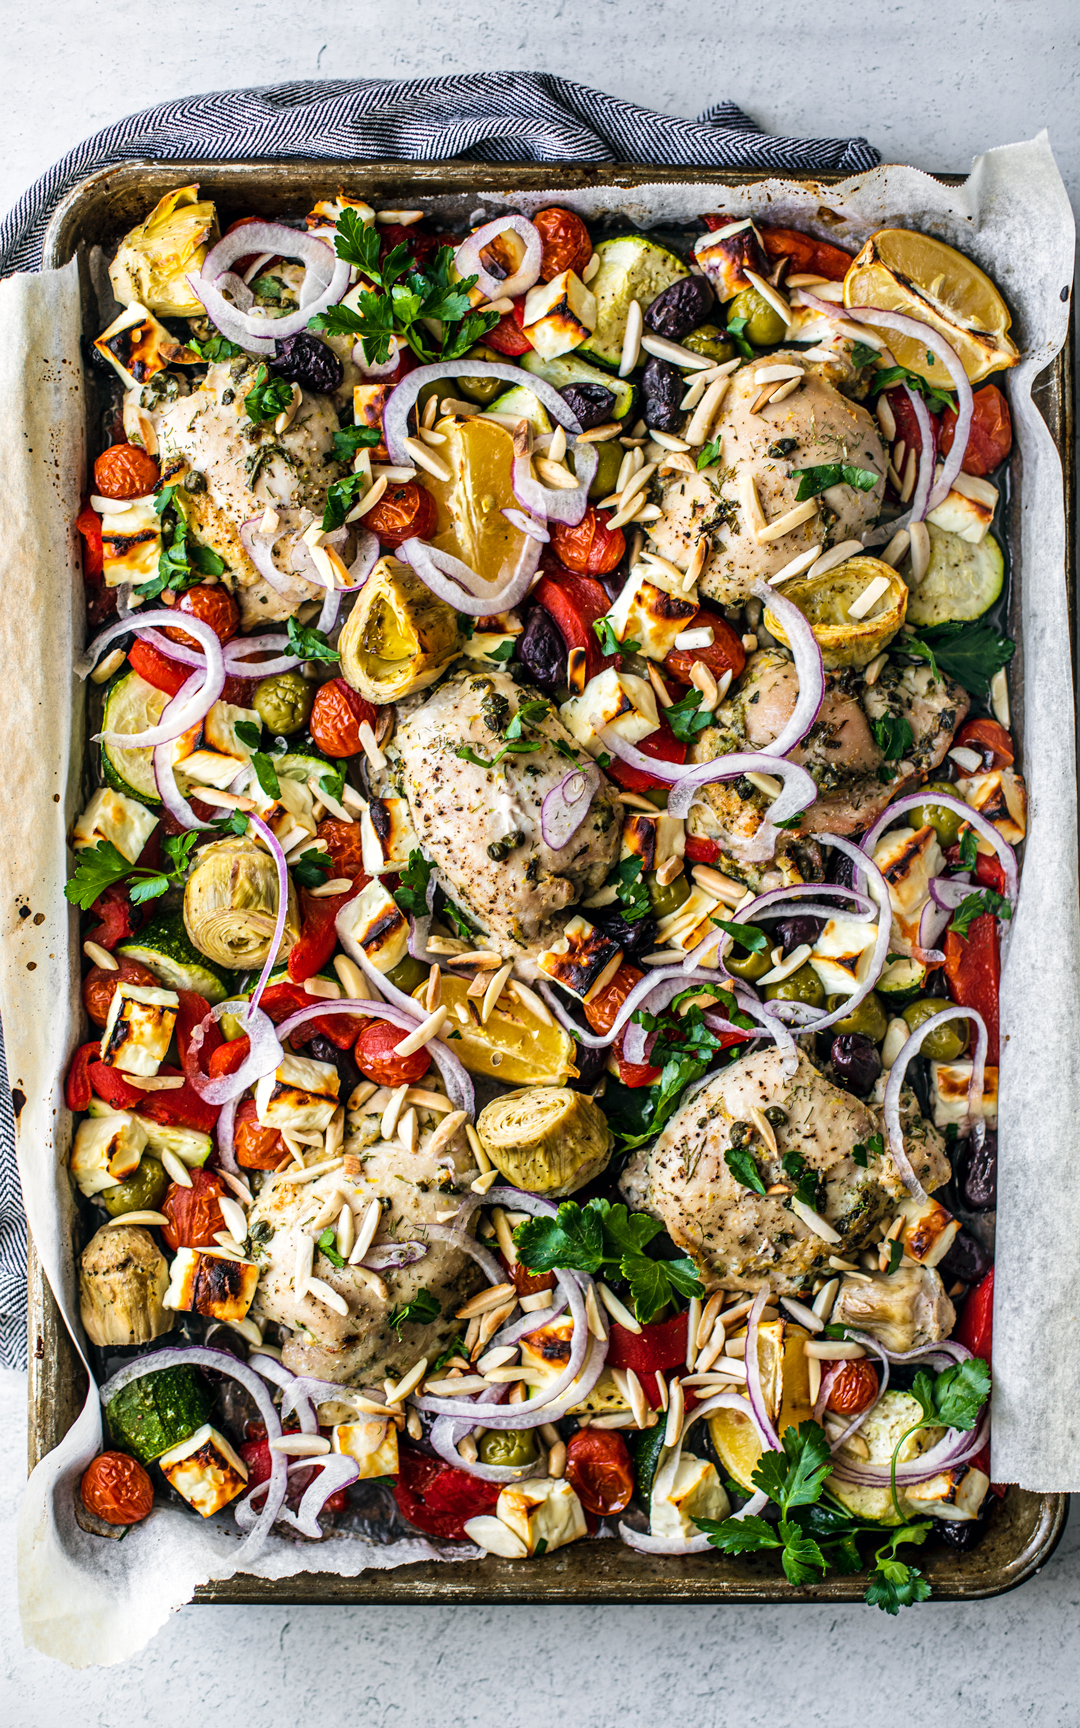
205, 1470
139, 1027
929, 1231
375, 924
207, 768
387, 835
138, 346
326, 214
106, 1150
369, 405
203, 1282
542, 1511
727, 253
583, 960
690, 923
653, 839
290, 815
1001, 797
219, 729
301, 1094
908, 858
112, 816
130, 543
968, 510
842, 954
696, 1492
955, 1494
188, 1144
949, 1082
372, 1441
559, 315
652, 609
616, 699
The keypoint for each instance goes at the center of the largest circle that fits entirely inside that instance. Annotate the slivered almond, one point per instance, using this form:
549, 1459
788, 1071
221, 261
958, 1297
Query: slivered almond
660, 687
785, 524
423, 458
554, 474
494, 991
425, 1032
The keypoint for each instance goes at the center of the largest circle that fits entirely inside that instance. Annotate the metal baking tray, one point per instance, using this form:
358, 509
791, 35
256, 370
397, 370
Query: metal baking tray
1026, 1527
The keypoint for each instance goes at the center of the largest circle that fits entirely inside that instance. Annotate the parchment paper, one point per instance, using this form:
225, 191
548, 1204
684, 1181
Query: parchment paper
85, 1600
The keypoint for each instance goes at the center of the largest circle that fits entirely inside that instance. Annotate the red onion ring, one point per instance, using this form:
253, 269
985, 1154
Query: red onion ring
241, 648
920, 498
550, 502
164, 778
566, 806
333, 1471
467, 1244
670, 980
383, 368
891, 1102
799, 790
526, 524
226, 1125
932, 921
955, 1447
259, 548
262, 1058
270, 841
982, 827
279, 1375
948, 891
767, 1434
442, 573
808, 665
404, 395
447, 1431
459, 1088
197, 707
326, 279
822, 1399
467, 261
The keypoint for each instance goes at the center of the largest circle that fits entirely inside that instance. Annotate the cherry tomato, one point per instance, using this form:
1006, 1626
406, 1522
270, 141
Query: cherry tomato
661, 744
256, 1147
378, 1060
591, 548
419, 242
215, 606
117, 1489
565, 240
77, 1088
402, 513
507, 337
601, 1012
88, 522
99, 986
725, 653
599, 1470
854, 1389
983, 735
437, 1498
655, 1350
342, 841
193, 1213
907, 426
336, 717
113, 907
125, 471
702, 851
990, 437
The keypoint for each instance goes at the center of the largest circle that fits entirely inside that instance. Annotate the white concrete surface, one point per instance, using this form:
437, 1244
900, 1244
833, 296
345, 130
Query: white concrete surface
928, 84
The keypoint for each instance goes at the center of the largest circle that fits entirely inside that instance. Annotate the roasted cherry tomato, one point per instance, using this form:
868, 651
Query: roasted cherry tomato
854, 1389
213, 605
574, 602
77, 1088
157, 668
653, 1351
438, 1499
592, 548
113, 907
725, 653
256, 1147
117, 1489
601, 1013
337, 716
378, 1060
990, 438
599, 1470
661, 744
125, 471
342, 841
193, 1213
88, 522
565, 240
403, 512
507, 337
986, 735
702, 851
99, 986
318, 937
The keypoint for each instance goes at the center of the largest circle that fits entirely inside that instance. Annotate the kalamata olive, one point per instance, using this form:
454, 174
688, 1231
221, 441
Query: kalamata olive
841, 868
793, 932
590, 1064
857, 1063
592, 403
302, 359
962, 1533
635, 938
680, 308
662, 389
975, 1172
966, 1259
325, 1050
542, 650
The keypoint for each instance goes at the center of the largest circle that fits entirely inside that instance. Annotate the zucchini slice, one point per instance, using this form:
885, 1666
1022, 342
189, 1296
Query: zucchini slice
131, 705
570, 370
151, 1415
165, 950
902, 981
631, 268
962, 581
521, 402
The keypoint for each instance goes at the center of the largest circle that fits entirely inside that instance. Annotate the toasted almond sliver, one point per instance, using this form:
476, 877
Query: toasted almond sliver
425, 1032
784, 524
494, 991
424, 458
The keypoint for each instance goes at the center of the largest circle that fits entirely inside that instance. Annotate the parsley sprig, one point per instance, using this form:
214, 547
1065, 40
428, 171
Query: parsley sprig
894, 736
604, 631
307, 643
973, 906
411, 892
709, 453
686, 718
970, 653
597, 1235
267, 398
936, 399
101, 866
814, 481
952, 1399
181, 562
421, 1311
530, 712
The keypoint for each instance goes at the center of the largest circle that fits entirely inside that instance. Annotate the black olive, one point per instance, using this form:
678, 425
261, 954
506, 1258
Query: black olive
966, 1259
590, 1064
681, 308
635, 938
542, 650
302, 359
856, 1062
793, 932
840, 868
662, 389
975, 1172
782, 447
592, 403
325, 1050
962, 1533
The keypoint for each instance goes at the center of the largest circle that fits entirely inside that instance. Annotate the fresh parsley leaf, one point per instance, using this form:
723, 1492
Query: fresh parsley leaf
685, 719
960, 1393
164, 500
748, 936
973, 906
894, 736
308, 643
457, 919
312, 868
805, 1179
501, 652
473, 328
800, 1557
863, 355
858, 1154
249, 733
624, 1231
233, 822
100, 866
936, 399
267, 398
814, 481
970, 653
969, 848
205, 560
214, 348
896, 1254
682, 1275
421, 1311
349, 439
513, 747
573, 1240
411, 892
588, 1238
358, 243
266, 773
341, 495
795, 1476
327, 1244
648, 1285
709, 453
177, 848
631, 889
740, 1161
740, 1535
148, 887
609, 643
894, 1585
737, 333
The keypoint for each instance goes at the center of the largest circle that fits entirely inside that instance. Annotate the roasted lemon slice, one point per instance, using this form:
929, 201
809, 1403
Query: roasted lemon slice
471, 526
512, 1045
911, 273
785, 1382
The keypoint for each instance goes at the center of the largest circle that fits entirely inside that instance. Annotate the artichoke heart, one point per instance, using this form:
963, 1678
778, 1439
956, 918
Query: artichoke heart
123, 1277
834, 603
151, 267
546, 1139
231, 902
398, 637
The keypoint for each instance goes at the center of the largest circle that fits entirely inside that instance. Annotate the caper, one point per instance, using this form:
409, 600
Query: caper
710, 340
948, 1041
407, 974
194, 481
946, 823
508, 1446
764, 325
740, 1133
610, 456
502, 848
803, 985
667, 897
479, 389
142, 1191
868, 1017
776, 1117
283, 703
227, 397
746, 963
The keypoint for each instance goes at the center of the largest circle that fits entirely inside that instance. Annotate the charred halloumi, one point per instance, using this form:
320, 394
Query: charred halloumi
559, 315
219, 729
968, 510
614, 699
106, 1150
138, 346
300, 1096
130, 543
583, 960
112, 816
949, 1082
205, 1470
374, 924
726, 254
202, 1282
842, 955
690, 923
387, 835
955, 1494
652, 610
372, 1441
1001, 797
929, 1231
139, 1027
542, 1511
696, 1492
653, 839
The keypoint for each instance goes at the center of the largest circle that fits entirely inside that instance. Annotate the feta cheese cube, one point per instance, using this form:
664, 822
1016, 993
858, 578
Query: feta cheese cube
949, 1083
205, 1470
652, 609
207, 768
542, 1511
653, 839
300, 1095
929, 1231
204, 1282
139, 1027
696, 1492
137, 346
374, 924
559, 315
387, 835
617, 699
106, 1149
219, 729
842, 954
130, 543
372, 1441
583, 960
121, 820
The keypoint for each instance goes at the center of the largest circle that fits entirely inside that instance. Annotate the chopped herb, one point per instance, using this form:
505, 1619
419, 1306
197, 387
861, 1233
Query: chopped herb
609, 642
249, 733
327, 1244
896, 1254
806, 1180
936, 398
631, 889
814, 481
350, 439
266, 774
863, 355
214, 348
501, 652
740, 1161
970, 653
894, 736
969, 848
709, 453
421, 1311
312, 868
101, 866
737, 332
748, 936
597, 1235
341, 495
685, 719
874, 1144
233, 822
973, 906
411, 892
308, 643
267, 398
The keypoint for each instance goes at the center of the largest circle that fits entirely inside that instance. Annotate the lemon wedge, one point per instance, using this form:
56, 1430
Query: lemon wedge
785, 1382
900, 271
511, 1045
470, 525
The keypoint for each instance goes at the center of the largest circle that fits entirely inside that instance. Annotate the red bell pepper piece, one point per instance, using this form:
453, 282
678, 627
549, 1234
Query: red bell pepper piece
973, 973
180, 1109
702, 851
318, 937
508, 335
664, 747
439, 1499
192, 1012
88, 522
281, 1000
653, 1351
807, 255
117, 919
975, 1331
228, 1058
575, 602
77, 1089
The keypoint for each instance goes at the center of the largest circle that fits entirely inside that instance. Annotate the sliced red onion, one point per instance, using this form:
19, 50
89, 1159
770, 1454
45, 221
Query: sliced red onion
799, 790
333, 1471
272, 844
239, 651
955, 1447
442, 573
808, 664
940, 1355
195, 706
891, 1102
326, 280
467, 1244
262, 1058
671, 981
831, 1371
920, 498
279, 1375
948, 891
551, 502
259, 548
459, 1088
932, 922
519, 1201
767, 1434
224, 1133
164, 778
404, 395
386, 1256
985, 829
527, 1324
566, 806
526, 524
467, 261
447, 1431
853, 1427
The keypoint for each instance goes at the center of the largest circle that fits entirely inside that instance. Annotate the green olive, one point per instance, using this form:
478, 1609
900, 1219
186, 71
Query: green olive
610, 461
710, 340
657, 795
801, 986
667, 898
508, 1446
946, 823
868, 1018
763, 326
407, 974
949, 1041
143, 1190
479, 389
283, 703
747, 964
232, 1028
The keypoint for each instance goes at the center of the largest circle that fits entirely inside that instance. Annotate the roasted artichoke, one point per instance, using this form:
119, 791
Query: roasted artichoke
123, 1276
903, 1312
546, 1139
151, 267
826, 600
231, 901
398, 637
